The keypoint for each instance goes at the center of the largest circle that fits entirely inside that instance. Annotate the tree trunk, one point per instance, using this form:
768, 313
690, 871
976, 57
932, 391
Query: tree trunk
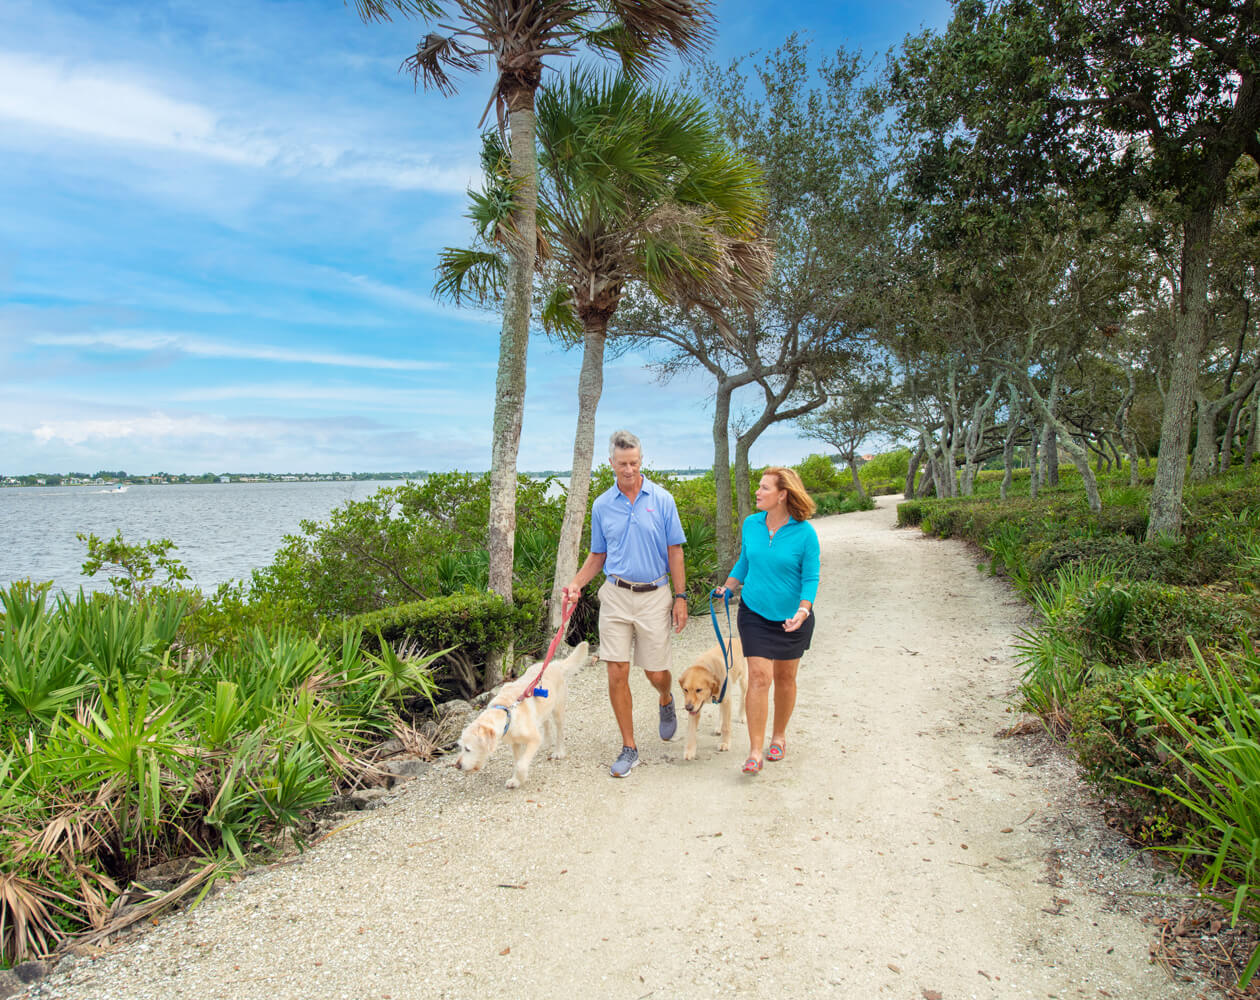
724, 530
1008, 447
743, 479
974, 439
509, 403
1034, 463
1205, 450
1188, 340
928, 482
590, 388
915, 460
857, 480
1080, 456
1249, 449
1226, 457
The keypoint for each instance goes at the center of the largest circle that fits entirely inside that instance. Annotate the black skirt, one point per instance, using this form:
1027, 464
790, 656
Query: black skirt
762, 637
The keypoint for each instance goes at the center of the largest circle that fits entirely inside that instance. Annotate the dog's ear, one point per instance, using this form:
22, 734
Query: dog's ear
487, 732
714, 687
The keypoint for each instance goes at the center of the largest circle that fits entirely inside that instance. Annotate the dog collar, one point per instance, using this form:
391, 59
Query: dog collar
508, 722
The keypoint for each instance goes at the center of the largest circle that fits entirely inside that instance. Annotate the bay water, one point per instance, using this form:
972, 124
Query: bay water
222, 530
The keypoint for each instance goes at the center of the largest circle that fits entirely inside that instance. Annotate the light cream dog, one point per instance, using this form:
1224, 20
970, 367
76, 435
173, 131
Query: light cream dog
702, 682
521, 723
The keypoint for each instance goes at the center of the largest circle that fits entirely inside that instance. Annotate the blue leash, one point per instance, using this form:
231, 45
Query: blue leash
726, 655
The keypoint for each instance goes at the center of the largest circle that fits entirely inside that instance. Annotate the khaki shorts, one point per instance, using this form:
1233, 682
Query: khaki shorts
641, 620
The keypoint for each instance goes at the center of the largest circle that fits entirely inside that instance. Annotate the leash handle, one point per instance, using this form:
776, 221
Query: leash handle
726, 655
566, 612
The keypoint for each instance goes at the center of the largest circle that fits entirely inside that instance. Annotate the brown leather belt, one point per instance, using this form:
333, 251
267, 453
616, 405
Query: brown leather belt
637, 588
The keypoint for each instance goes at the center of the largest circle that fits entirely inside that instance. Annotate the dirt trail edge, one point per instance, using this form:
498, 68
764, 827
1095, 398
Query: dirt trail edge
901, 849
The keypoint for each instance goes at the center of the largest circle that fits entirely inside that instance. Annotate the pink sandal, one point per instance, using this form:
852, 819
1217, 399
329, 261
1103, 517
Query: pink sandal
775, 751
752, 765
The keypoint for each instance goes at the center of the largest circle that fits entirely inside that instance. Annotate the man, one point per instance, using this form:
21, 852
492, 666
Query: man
636, 539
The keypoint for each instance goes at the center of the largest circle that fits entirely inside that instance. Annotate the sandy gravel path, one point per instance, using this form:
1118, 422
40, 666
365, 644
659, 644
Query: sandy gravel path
899, 850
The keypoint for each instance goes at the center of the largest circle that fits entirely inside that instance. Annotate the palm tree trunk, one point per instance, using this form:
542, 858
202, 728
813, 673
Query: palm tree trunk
590, 388
1188, 340
509, 403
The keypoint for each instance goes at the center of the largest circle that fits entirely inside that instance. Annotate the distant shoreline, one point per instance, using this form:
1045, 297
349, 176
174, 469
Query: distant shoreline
47, 480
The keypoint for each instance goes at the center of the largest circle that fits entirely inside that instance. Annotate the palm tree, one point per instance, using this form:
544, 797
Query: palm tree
636, 188
519, 37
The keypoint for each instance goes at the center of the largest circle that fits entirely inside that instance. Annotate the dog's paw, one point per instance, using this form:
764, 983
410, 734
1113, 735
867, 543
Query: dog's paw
512, 782
726, 745
717, 730
689, 755
558, 754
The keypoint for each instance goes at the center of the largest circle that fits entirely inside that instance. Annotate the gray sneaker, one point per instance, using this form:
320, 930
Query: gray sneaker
669, 721
628, 758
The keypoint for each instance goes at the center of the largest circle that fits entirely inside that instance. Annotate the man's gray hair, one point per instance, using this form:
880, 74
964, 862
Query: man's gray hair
622, 440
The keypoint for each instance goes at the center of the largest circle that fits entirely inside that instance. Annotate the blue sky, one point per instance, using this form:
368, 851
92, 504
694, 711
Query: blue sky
218, 226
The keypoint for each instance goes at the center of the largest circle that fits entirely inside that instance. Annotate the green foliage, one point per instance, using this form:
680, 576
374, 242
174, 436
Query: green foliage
818, 474
465, 628
122, 749
135, 565
890, 465
1219, 782
840, 502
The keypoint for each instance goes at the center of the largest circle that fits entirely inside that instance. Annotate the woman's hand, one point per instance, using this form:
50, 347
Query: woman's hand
797, 620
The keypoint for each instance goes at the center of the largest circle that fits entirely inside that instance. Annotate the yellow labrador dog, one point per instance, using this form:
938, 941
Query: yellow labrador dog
521, 723
702, 682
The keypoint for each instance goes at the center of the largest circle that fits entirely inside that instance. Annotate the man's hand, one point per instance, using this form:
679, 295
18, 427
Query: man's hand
571, 593
680, 614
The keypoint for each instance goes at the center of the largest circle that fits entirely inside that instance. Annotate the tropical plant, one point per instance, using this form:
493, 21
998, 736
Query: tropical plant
520, 40
638, 188
1222, 788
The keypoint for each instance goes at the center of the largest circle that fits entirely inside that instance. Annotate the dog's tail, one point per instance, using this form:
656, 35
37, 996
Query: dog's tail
576, 658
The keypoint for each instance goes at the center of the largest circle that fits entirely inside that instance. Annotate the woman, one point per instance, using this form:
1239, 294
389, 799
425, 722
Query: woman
778, 569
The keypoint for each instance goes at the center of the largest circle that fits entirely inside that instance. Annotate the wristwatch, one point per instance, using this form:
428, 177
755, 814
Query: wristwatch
677, 596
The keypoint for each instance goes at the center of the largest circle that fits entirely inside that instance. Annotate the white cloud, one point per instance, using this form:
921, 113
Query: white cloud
147, 342
420, 303
406, 401
116, 106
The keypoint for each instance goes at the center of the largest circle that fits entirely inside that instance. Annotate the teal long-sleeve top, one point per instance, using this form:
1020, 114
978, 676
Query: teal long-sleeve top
777, 573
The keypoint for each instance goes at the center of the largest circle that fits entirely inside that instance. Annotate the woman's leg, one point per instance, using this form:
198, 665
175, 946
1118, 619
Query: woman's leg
784, 697
756, 702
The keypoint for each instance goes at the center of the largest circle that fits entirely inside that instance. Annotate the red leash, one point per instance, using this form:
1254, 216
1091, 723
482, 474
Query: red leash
566, 612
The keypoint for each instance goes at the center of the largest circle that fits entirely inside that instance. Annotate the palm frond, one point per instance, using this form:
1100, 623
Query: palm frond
480, 275
382, 10
657, 26
433, 56
559, 316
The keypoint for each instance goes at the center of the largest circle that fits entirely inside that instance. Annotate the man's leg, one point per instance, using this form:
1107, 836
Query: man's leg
622, 702
661, 680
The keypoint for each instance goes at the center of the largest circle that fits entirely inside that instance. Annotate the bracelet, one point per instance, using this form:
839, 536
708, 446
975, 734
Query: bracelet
680, 597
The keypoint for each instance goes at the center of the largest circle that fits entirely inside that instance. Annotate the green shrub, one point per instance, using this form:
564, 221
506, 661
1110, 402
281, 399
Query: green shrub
840, 502
818, 474
1115, 736
471, 625
891, 466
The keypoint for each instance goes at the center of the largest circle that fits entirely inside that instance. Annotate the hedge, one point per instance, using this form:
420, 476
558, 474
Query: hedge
471, 625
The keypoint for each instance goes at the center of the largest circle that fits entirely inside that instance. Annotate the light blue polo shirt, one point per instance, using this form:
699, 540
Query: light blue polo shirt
636, 537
